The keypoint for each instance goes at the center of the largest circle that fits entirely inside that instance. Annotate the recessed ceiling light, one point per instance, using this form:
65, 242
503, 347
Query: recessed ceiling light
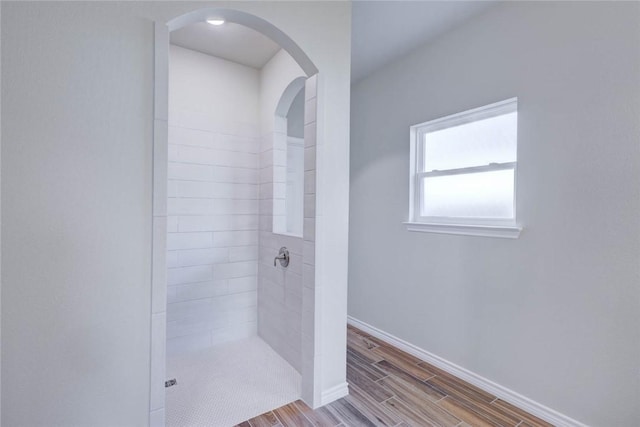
216, 21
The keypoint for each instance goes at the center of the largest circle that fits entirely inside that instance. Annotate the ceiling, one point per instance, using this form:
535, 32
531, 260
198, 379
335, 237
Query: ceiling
229, 41
382, 31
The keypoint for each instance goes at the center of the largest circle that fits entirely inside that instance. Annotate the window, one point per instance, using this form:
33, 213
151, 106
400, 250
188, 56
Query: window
463, 172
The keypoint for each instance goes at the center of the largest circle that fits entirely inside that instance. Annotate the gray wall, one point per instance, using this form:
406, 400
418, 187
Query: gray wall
555, 314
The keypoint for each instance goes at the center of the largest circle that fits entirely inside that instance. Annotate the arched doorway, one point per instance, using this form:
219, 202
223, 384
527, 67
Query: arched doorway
310, 390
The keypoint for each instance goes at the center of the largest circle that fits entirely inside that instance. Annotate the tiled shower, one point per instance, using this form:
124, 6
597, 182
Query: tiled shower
222, 284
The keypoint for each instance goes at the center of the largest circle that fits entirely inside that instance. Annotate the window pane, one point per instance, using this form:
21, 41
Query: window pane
475, 195
478, 143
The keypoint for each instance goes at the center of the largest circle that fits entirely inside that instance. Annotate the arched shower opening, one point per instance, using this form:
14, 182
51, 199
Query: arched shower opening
308, 367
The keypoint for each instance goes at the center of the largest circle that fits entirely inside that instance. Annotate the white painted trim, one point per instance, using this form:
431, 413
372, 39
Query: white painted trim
505, 232
417, 172
158, 324
522, 402
479, 113
0, 208
252, 21
334, 393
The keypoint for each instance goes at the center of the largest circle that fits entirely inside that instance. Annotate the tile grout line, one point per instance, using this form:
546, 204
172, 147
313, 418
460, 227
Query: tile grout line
380, 379
464, 402
441, 399
303, 414
277, 417
338, 417
389, 398
430, 378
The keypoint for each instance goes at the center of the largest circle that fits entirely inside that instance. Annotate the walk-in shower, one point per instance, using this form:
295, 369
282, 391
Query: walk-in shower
240, 186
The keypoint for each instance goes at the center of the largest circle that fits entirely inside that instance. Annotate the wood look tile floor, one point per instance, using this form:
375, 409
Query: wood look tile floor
388, 387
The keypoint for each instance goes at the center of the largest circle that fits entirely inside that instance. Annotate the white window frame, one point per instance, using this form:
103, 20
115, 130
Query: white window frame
489, 227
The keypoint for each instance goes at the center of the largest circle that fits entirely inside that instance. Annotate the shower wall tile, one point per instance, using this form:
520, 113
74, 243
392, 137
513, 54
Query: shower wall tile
310, 293
295, 267
188, 343
207, 206
310, 87
172, 259
189, 240
203, 322
235, 332
190, 172
309, 111
243, 253
172, 224
191, 257
182, 275
309, 229
308, 276
310, 182
266, 223
310, 135
309, 206
235, 270
200, 290
310, 158
286, 296
192, 137
308, 252
206, 156
216, 222
198, 189
213, 221
237, 143
279, 289
235, 238
192, 326
243, 284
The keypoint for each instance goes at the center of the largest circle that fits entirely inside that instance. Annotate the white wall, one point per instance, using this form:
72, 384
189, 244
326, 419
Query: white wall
213, 201
279, 289
77, 108
555, 314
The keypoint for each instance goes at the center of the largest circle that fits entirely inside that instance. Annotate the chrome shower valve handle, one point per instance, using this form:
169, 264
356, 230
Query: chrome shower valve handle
283, 256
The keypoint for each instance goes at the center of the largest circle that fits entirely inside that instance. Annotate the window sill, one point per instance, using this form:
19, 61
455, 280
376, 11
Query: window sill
285, 233
505, 232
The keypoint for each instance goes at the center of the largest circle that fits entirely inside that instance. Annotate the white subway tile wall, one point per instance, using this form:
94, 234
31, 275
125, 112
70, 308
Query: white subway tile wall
212, 232
221, 200
283, 300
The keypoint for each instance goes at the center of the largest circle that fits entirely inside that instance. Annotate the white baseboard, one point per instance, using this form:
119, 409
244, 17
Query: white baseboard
334, 393
516, 399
